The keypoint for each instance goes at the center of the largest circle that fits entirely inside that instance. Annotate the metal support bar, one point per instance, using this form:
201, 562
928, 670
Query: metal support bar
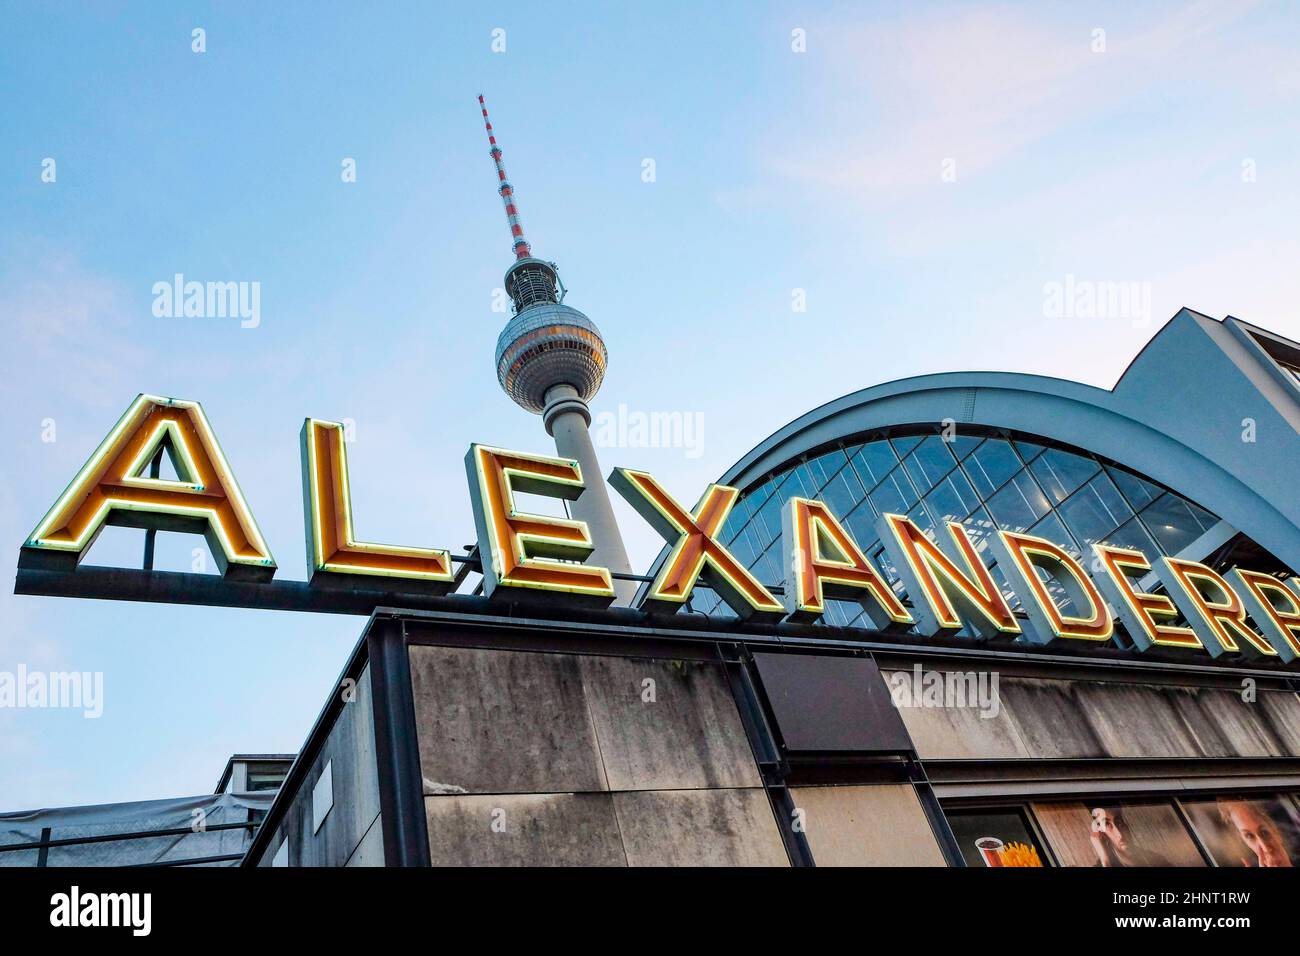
192, 861
934, 814
364, 597
401, 793
45, 842
767, 754
155, 469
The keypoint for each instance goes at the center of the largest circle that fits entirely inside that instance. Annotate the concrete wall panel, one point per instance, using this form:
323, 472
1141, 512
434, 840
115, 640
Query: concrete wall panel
1136, 720
370, 851
492, 721
549, 829
1048, 718
960, 733
1281, 711
689, 735
867, 826
699, 828
1225, 725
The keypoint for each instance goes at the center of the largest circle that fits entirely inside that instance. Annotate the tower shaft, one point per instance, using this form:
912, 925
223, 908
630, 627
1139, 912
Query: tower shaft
567, 418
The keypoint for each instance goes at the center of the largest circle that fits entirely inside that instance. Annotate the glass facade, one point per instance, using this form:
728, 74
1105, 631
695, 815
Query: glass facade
987, 480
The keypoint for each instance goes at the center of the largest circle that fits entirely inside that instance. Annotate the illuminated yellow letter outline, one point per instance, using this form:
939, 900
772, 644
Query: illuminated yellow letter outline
696, 551
1212, 608
1274, 607
938, 586
1141, 612
1029, 554
333, 552
825, 562
526, 551
110, 489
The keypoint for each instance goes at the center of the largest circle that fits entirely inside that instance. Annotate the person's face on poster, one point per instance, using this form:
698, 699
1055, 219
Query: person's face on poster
1258, 831
1106, 829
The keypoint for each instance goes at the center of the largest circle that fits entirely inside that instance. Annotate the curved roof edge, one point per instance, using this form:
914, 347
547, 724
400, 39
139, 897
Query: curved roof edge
1189, 412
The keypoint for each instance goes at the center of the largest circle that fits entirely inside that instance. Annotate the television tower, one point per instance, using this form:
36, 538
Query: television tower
551, 360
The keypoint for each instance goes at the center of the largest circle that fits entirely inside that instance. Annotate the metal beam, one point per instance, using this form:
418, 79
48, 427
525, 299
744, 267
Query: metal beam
364, 598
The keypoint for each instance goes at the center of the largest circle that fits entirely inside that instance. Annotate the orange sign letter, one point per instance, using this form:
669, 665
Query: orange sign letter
695, 548
112, 489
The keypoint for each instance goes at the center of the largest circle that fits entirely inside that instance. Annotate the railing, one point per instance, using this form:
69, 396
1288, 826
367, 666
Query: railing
44, 844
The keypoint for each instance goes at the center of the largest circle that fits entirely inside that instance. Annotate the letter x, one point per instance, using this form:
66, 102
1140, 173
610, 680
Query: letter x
695, 549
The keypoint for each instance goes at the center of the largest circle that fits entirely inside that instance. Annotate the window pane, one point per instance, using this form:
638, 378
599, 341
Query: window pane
929, 462
843, 493
1060, 472
1094, 511
953, 499
738, 518
840, 613
1019, 505
825, 465
1173, 522
754, 500
922, 520
874, 461
990, 465
1028, 450
1140, 493
769, 570
1206, 520
894, 494
1107, 832
767, 523
797, 483
1055, 532
997, 837
904, 445
1131, 534
963, 445
979, 526
861, 525
743, 548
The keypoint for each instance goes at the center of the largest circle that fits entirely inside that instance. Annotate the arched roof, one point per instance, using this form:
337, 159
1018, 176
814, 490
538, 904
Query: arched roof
1177, 416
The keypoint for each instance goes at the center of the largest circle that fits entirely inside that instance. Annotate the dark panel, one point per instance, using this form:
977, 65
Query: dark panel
831, 703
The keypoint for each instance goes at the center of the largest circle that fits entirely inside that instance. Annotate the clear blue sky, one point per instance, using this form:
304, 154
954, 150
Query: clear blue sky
1170, 158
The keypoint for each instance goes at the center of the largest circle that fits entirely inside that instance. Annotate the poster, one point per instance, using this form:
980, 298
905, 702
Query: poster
1248, 830
1117, 834
995, 838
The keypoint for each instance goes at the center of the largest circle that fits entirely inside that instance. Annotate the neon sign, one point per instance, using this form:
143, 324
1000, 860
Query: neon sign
1242, 613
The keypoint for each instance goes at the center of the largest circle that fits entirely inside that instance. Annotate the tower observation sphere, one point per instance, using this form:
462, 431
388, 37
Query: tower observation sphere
548, 344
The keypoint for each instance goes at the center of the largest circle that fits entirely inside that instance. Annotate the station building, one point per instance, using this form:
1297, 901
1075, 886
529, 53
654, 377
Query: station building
475, 730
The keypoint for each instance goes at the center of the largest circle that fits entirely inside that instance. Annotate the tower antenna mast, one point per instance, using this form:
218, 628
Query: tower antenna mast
522, 249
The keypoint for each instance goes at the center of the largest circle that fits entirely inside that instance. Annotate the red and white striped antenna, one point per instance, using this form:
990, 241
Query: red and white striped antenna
522, 249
